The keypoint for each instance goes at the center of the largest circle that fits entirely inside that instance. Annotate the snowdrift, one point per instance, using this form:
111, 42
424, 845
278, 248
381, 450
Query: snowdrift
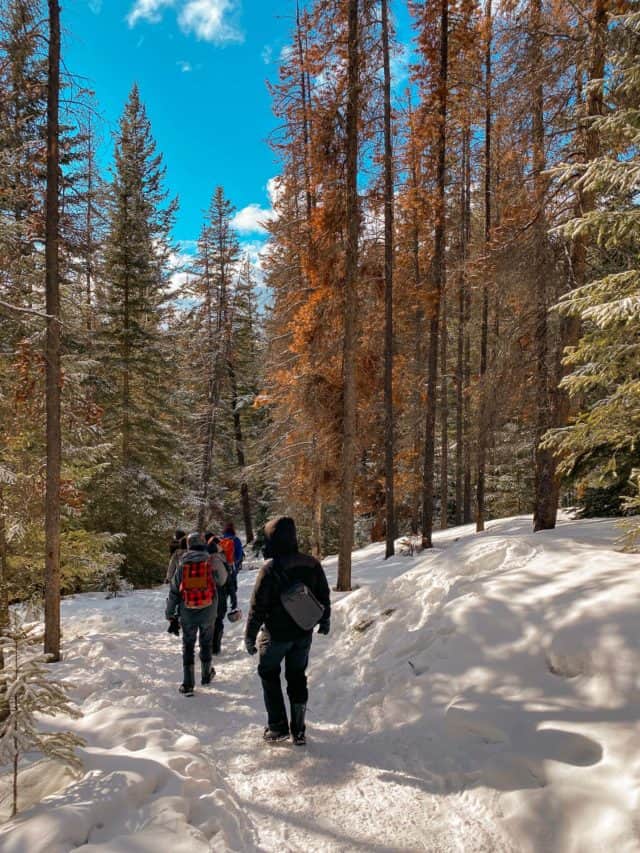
484, 696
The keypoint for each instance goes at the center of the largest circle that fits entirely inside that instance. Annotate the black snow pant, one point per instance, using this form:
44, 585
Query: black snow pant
197, 624
295, 654
232, 588
218, 630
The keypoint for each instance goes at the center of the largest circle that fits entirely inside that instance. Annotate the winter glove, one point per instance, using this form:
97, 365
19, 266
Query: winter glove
250, 646
324, 627
174, 626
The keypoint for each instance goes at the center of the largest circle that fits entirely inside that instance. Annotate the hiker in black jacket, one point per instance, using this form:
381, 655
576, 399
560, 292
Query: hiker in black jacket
281, 638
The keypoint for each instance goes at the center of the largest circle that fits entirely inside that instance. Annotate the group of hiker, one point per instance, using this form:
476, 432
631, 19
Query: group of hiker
290, 598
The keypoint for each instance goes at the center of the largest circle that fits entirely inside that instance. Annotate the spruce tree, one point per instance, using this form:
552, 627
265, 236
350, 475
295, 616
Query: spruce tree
134, 495
600, 445
218, 252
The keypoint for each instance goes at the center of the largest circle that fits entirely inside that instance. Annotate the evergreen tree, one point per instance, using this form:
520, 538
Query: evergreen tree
135, 495
27, 691
600, 445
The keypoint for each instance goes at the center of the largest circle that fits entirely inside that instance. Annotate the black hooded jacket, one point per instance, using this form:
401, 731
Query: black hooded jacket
281, 547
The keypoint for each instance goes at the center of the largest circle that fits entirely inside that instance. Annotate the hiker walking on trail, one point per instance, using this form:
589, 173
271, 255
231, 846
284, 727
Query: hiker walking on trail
223, 593
176, 550
192, 605
231, 545
290, 597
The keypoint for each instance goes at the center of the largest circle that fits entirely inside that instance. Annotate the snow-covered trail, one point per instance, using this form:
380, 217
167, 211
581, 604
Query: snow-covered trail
482, 697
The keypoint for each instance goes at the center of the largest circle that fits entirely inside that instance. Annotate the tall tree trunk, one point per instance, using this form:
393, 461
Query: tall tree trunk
546, 484
53, 371
483, 425
461, 331
467, 498
213, 347
237, 432
316, 503
347, 484
418, 360
438, 279
389, 442
444, 416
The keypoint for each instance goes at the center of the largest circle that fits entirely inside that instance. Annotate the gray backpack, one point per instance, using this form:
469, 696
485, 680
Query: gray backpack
298, 600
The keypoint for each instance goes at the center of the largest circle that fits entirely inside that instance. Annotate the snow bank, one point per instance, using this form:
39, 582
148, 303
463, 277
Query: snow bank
484, 696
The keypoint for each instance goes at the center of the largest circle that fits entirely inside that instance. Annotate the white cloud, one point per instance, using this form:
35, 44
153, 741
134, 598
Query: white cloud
267, 54
251, 219
184, 65
95, 6
208, 21
147, 10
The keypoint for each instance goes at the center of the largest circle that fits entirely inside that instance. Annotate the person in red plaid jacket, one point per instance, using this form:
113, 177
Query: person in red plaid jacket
192, 604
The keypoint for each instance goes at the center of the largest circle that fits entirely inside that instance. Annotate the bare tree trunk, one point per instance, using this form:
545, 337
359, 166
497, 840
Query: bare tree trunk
316, 505
237, 431
444, 417
347, 485
546, 483
416, 397
389, 441
483, 425
461, 330
439, 277
53, 371
467, 500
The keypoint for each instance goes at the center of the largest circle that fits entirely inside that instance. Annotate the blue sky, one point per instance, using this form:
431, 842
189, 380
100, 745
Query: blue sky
202, 67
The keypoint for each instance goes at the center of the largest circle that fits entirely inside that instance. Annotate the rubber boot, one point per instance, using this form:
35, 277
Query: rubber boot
208, 673
188, 679
298, 712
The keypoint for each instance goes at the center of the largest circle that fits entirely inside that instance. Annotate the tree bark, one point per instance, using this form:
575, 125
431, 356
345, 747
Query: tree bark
438, 279
347, 485
483, 425
53, 370
467, 499
461, 331
237, 432
389, 440
444, 417
546, 485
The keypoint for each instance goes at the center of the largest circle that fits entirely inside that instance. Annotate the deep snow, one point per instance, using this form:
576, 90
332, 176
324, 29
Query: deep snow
484, 696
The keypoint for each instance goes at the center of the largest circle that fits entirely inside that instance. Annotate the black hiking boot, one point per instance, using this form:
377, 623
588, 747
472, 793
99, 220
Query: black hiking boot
297, 724
275, 735
208, 673
188, 678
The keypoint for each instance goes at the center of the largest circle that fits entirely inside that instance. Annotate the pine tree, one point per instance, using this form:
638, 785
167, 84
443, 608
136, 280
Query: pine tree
215, 270
135, 494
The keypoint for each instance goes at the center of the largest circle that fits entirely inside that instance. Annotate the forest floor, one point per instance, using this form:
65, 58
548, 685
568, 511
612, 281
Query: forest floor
483, 696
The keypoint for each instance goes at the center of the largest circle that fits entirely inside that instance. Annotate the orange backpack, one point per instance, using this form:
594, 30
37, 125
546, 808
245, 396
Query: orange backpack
228, 549
197, 586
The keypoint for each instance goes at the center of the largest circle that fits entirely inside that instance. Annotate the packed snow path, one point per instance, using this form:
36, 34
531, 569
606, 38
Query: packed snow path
481, 697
